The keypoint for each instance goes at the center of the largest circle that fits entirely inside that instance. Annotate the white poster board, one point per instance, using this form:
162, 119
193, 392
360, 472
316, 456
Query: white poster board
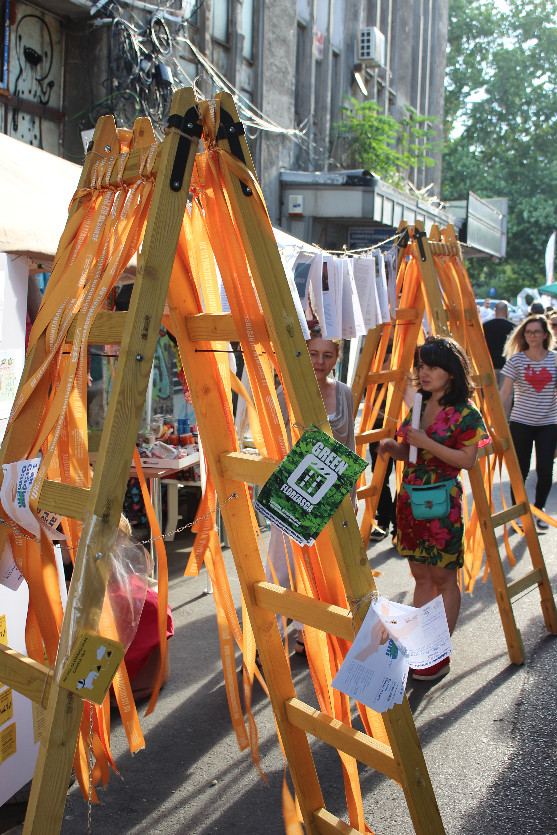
14, 277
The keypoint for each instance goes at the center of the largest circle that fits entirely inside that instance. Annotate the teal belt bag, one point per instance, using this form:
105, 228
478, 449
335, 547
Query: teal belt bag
430, 501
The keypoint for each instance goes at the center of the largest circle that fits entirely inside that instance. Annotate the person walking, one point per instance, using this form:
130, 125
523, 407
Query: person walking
450, 429
485, 311
496, 331
530, 373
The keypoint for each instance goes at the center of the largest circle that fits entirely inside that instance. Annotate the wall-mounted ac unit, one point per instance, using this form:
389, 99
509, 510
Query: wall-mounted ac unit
370, 47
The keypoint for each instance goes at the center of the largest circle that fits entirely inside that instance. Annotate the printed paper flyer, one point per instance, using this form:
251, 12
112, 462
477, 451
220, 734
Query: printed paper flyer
308, 486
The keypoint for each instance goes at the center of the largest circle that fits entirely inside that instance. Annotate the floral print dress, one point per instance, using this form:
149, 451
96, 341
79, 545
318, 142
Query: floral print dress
440, 541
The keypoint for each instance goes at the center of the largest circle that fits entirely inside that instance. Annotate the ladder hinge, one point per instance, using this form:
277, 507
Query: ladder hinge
190, 130
419, 234
232, 131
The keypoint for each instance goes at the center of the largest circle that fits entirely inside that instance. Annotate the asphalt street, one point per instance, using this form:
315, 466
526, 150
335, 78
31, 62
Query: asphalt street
488, 729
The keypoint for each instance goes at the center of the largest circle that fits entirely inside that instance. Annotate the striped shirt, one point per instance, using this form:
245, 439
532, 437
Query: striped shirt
535, 398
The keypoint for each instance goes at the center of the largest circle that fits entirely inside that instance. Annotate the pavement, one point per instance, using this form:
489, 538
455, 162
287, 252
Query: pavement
488, 729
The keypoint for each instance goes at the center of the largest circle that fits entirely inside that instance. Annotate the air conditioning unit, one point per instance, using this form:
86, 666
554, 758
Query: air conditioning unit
370, 47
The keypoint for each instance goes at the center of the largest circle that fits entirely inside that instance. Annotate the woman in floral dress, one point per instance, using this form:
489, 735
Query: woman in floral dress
447, 441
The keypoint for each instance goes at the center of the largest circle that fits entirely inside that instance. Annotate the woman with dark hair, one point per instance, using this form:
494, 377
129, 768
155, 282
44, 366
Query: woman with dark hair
531, 374
430, 529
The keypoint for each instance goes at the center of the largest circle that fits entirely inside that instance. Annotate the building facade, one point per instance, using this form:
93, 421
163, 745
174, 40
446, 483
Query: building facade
291, 65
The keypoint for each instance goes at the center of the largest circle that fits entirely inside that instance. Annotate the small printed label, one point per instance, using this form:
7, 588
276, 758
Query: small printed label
39, 714
6, 706
8, 745
91, 666
3, 631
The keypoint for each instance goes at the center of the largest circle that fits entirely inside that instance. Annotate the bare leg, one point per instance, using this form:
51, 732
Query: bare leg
432, 581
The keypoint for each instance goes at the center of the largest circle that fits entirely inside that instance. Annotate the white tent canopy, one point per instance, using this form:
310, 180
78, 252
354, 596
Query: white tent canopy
35, 192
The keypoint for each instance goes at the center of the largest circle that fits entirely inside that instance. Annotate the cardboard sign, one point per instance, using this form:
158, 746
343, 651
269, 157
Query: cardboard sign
91, 666
307, 487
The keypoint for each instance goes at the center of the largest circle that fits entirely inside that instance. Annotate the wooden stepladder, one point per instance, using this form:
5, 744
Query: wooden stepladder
264, 320
451, 309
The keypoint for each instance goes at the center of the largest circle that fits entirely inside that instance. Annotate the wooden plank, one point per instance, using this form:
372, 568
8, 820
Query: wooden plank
243, 466
356, 744
65, 499
531, 579
107, 329
406, 313
28, 677
317, 613
326, 824
218, 327
515, 511
391, 375
371, 436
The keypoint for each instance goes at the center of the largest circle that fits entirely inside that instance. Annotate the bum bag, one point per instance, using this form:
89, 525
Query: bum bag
430, 501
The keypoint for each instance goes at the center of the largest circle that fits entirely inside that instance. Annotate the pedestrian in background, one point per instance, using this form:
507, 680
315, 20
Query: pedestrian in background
496, 331
531, 374
447, 440
485, 311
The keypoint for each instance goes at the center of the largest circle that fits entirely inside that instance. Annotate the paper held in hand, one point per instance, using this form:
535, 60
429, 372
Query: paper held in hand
416, 416
392, 638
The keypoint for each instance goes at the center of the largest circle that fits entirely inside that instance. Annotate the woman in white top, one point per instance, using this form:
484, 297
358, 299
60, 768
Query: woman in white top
530, 371
339, 405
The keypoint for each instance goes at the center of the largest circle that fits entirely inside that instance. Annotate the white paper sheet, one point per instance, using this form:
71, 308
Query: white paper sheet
392, 638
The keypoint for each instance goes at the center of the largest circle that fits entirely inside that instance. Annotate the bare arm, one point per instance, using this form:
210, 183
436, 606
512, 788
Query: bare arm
396, 449
506, 393
463, 459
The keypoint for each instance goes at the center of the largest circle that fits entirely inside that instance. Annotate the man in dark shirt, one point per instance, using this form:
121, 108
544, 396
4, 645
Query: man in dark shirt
496, 331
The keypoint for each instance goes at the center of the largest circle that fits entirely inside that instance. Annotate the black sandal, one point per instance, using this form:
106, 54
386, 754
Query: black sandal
300, 648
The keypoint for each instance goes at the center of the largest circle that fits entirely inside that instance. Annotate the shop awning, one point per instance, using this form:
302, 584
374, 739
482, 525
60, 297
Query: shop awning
35, 191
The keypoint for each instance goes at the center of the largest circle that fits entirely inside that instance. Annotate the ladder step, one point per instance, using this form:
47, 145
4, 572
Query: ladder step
65, 499
363, 748
391, 375
531, 579
327, 824
372, 436
219, 327
243, 466
367, 492
316, 613
486, 450
406, 313
28, 677
107, 329
513, 512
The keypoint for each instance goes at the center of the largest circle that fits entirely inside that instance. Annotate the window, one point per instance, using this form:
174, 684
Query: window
247, 28
219, 20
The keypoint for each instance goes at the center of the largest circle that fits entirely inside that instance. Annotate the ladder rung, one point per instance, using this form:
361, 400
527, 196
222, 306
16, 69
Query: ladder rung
28, 677
107, 329
219, 327
486, 450
512, 512
406, 313
327, 824
367, 492
242, 466
531, 579
387, 376
371, 437
65, 499
356, 744
316, 613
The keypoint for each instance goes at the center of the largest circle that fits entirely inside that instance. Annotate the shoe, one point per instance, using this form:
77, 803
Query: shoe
541, 524
300, 648
377, 535
436, 671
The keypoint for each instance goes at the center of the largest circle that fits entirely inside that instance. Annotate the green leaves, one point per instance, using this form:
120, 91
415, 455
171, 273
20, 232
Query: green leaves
370, 139
501, 124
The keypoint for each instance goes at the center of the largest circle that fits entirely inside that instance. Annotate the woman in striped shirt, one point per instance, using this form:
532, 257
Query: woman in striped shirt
531, 372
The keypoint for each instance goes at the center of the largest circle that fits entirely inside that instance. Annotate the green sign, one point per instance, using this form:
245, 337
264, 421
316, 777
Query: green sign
308, 486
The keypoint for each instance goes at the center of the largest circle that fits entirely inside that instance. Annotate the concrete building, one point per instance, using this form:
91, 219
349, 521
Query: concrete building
291, 64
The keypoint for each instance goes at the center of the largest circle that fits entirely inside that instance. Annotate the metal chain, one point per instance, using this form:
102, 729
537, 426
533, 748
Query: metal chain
90, 754
190, 524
